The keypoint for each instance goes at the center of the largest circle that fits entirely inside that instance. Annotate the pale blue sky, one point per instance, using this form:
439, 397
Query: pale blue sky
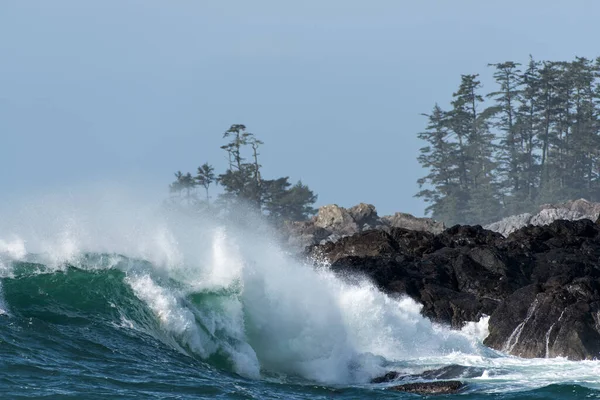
131, 91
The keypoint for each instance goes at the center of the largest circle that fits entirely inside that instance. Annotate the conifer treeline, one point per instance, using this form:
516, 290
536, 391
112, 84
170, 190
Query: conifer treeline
535, 139
244, 188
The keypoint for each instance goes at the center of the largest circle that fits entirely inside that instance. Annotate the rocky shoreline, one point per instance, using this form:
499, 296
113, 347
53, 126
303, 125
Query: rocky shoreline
540, 285
334, 222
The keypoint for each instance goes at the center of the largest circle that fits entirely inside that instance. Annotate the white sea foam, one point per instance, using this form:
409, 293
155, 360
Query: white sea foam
14, 247
223, 291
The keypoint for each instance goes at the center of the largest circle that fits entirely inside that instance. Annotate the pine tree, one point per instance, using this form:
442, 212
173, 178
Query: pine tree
546, 99
241, 182
245, 192
205, 177
548, 123
300, 203
527, 124
512, 143
238, 186
257, 180
594, 149
183, 182
284, 203
584, 131
188, 184
476, 151
440, 158
177, 186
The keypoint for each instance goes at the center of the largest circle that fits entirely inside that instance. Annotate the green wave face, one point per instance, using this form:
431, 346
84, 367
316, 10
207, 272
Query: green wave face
71, 296
96, 295
126, 326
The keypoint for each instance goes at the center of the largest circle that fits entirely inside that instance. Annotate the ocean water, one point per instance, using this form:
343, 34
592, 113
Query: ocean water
103, 297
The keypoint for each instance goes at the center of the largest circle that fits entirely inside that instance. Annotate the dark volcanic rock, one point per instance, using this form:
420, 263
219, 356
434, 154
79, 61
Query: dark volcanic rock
454, 282
541, 284
452, 371
437, 387
389, 377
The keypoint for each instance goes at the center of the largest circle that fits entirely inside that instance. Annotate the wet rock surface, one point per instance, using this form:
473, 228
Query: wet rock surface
540, 285
437, 387
452, 371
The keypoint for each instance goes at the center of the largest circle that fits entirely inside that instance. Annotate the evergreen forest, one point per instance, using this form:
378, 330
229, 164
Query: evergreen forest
243, 188
534, 138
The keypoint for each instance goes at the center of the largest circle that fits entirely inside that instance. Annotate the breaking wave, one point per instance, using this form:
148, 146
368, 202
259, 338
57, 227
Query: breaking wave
230, 298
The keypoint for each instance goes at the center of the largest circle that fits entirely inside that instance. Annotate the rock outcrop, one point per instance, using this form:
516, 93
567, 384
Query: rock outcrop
452, 371
408, 221
436, 387
571, 210
541, 284
333, 222
336, 219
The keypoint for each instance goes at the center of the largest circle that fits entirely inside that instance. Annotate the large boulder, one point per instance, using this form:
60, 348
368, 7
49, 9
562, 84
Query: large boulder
408, 221
336, 219
364, 215
425, 388
510, 224
549, 215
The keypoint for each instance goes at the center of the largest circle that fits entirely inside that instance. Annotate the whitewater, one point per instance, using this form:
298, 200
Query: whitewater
104, 295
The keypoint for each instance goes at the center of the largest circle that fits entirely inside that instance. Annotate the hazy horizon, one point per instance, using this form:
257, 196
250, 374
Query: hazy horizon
132, 91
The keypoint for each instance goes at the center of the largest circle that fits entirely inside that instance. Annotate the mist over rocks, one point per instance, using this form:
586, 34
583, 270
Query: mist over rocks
570, 210
333, 222
540, 285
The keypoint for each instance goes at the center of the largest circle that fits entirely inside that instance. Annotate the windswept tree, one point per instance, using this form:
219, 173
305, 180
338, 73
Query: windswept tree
257, 197
188, 184
239, 138
205, 177
244, 188
177, 186
183, 183
241, 182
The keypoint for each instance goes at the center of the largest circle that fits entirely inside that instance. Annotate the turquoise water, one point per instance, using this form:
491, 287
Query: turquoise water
128, 304
76, 333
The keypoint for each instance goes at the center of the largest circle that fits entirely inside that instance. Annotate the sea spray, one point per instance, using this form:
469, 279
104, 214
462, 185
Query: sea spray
226, 295
273, 314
